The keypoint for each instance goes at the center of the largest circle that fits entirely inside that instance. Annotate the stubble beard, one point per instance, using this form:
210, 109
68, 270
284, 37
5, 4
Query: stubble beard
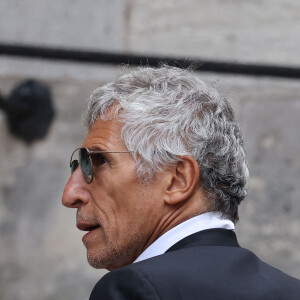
112, 255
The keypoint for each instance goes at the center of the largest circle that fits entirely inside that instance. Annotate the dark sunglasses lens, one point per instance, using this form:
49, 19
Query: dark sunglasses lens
85, 163
74, 165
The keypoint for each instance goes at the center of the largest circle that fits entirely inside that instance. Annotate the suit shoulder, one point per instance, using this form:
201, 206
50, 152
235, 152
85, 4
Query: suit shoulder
234, 269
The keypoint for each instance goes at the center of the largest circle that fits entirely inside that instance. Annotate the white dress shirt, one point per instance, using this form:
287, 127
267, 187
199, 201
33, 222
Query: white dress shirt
201, 222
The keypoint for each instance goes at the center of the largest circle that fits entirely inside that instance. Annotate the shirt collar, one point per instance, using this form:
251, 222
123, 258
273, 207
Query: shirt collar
198, 223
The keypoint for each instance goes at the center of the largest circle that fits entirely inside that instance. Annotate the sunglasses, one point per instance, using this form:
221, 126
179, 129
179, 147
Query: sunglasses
87, 160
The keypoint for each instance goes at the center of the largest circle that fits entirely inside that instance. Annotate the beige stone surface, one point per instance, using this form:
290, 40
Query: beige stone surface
41, 254
63, 23
264, 31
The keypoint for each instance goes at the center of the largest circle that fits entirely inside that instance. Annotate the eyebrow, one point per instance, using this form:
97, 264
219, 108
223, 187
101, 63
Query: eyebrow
96, 148
108, 152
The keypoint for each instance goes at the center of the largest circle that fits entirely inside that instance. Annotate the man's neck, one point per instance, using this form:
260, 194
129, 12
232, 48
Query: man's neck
198, 223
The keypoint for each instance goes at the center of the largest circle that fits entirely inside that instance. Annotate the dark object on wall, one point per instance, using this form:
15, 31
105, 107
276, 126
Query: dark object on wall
29, 110
200, 65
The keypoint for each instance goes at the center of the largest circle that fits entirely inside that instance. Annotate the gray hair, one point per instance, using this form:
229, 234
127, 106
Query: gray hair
169, 112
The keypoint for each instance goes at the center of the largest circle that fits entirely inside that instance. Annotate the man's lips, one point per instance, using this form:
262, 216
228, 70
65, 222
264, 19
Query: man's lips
89, 224
86, 226
89, 227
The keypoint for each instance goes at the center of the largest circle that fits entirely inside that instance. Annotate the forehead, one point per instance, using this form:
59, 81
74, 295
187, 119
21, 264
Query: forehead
105, 135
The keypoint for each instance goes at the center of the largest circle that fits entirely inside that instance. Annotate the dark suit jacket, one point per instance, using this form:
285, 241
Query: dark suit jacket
207, 265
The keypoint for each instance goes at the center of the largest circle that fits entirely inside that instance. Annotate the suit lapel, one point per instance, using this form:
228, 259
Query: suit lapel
209, 237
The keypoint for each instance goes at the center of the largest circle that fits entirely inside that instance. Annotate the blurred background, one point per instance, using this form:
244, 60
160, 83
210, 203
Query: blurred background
41, 253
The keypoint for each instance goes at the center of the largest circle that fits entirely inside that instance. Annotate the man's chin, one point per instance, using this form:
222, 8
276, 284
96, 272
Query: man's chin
109, 260
97, 261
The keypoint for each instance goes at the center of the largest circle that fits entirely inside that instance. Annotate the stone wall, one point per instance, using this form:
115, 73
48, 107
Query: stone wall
41, 253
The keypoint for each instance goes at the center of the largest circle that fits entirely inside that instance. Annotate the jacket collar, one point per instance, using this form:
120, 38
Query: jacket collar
209, 237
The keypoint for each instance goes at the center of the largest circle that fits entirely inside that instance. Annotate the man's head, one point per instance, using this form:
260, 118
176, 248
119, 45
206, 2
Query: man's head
186, 158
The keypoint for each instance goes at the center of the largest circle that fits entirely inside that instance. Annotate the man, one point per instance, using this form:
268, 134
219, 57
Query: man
157, 184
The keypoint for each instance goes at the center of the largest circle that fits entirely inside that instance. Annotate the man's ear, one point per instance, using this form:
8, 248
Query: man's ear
182, 180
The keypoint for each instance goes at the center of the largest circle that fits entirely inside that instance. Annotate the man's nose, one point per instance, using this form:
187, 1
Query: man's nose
76, 191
